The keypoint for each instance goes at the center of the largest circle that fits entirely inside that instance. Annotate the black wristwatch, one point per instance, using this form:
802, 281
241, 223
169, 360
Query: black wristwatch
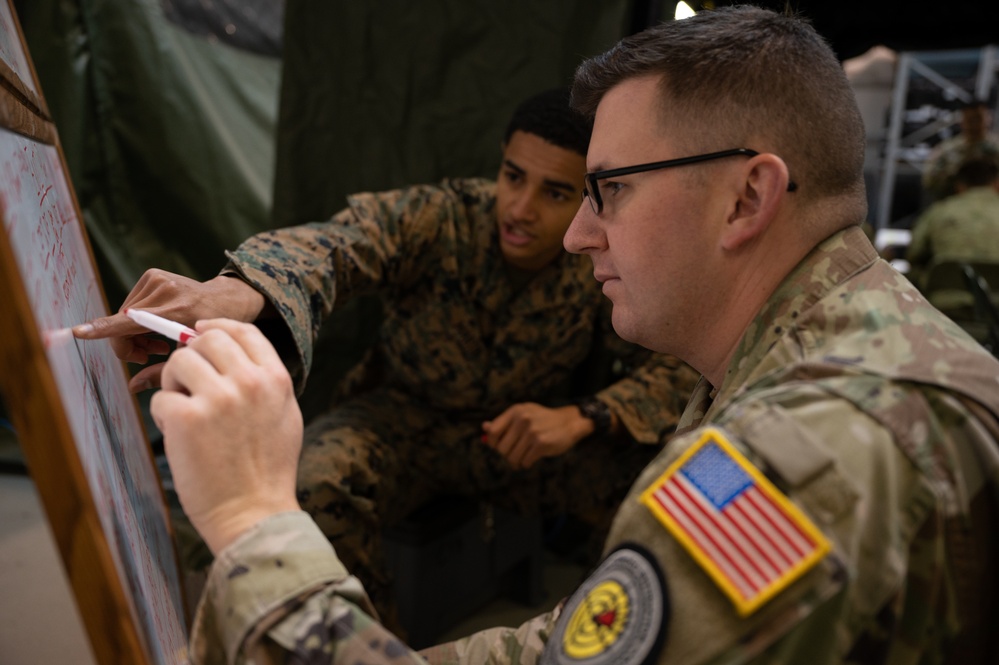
596, 411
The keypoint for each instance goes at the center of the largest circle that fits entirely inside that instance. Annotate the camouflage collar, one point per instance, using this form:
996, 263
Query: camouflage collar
832, 262
844, 311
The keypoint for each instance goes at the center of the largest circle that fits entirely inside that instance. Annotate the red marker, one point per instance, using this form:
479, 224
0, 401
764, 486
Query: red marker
178, 332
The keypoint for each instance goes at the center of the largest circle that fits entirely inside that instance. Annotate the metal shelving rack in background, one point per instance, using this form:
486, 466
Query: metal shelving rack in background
929, 88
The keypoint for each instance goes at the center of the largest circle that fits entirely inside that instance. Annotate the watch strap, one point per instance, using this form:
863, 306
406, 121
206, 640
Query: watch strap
597, 412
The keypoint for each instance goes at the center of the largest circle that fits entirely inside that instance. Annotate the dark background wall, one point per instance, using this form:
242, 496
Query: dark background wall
381, 96
853, 26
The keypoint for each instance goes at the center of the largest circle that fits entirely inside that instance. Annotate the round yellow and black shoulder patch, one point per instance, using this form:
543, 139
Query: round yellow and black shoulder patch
618, 616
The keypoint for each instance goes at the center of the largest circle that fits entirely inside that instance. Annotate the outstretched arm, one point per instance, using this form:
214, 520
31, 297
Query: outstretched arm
177, 298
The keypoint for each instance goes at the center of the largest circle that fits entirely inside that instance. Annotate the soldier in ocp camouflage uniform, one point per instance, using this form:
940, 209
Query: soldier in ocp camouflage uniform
962, 227
490, 329
831, 495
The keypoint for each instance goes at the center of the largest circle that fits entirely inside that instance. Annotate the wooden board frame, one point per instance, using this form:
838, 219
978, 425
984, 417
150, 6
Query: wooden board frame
96, 501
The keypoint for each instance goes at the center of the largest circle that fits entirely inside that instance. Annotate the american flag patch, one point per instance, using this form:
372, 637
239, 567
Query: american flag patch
741, 529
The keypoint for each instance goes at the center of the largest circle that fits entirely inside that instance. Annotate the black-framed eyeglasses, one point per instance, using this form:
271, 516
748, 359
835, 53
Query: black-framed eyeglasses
592, 191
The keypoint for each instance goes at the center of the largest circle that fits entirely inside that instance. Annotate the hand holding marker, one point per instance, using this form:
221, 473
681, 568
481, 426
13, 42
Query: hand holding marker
175, 331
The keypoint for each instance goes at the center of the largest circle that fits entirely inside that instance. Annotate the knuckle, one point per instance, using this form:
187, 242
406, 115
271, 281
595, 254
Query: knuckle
280, 377
210, 336
252, 381
180, 354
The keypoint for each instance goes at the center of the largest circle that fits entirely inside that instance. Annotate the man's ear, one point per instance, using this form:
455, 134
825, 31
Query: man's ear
763, 188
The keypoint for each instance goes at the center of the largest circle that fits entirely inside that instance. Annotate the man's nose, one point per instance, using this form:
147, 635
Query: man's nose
582, 232
525, 207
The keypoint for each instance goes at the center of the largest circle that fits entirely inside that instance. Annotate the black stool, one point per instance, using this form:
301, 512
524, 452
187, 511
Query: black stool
453, 555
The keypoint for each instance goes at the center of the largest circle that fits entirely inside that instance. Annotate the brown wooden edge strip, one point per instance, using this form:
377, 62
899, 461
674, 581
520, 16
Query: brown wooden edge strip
53, 461
12, 82
17, 116
8, 77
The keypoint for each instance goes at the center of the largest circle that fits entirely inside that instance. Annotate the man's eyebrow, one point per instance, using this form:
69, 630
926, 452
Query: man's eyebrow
556, 184
513, 166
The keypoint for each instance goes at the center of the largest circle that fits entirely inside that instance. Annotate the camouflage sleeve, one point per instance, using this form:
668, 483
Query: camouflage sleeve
652, 392
279, 594
888, 584
497, 646
803, 621
379, 241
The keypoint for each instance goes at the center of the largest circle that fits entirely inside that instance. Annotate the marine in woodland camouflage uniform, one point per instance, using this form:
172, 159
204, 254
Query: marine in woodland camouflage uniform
461, 341
496, 373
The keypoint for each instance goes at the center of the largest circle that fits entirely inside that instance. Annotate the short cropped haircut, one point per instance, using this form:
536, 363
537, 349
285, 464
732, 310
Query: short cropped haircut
977, 172
745, 77
549, 116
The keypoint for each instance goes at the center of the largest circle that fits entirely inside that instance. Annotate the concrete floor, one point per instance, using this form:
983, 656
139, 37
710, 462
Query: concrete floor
39, 621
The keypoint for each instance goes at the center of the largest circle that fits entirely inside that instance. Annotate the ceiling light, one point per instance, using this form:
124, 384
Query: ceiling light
683, 10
